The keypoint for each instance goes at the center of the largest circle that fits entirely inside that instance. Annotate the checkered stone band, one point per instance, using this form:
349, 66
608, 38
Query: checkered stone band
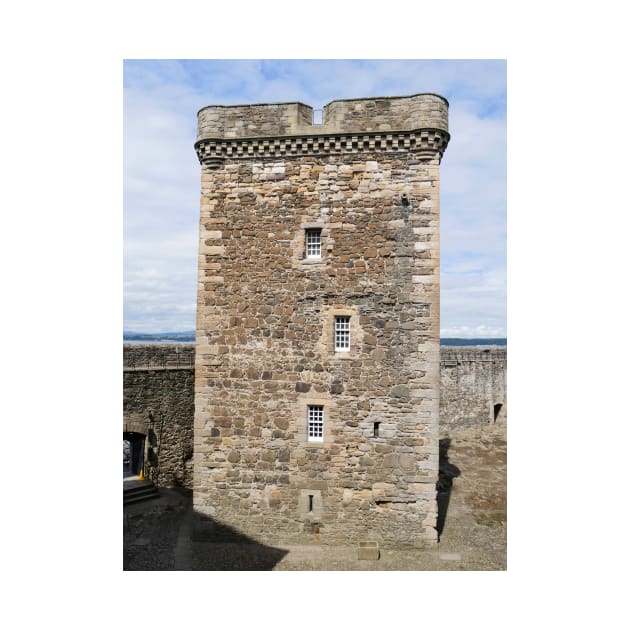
426, 143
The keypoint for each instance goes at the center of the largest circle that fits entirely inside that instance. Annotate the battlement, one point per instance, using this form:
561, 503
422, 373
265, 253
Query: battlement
416, 124
151, 356
379, 114
460, 354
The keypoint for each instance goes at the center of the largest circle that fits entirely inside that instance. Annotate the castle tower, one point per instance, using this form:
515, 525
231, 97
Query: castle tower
317, 357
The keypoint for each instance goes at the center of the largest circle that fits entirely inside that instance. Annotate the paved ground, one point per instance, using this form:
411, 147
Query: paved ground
472, 502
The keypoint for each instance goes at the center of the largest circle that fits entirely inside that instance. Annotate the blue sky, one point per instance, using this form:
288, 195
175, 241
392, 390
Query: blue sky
161, 173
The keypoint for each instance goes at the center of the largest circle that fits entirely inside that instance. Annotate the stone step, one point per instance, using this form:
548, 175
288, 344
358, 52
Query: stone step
138, 493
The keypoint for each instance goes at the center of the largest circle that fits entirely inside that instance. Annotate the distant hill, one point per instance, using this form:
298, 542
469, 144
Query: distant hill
182, 337
457, 341
188, 336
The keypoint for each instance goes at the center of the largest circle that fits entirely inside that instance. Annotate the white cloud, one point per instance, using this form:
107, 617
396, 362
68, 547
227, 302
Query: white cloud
473, 299
469, 332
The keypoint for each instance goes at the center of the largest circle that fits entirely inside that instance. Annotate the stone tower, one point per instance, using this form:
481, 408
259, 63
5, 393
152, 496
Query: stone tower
317, 357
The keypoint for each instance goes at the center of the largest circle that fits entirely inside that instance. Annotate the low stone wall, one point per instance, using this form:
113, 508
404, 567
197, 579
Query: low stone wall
472, 388
159, 379
153, 355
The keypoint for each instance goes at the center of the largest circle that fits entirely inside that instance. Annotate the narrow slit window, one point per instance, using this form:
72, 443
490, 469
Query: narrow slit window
376, 428
342, 333
314, 243
315, 423
310, 502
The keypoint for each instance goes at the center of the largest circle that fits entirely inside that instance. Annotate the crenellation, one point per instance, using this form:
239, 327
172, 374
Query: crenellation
416, 123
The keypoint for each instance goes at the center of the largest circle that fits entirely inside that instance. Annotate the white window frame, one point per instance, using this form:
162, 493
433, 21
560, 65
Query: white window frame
342, 333
315, 423
313, 242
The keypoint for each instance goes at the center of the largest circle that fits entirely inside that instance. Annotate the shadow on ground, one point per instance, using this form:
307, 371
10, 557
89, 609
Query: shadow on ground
156, 537
444, 484
218, 547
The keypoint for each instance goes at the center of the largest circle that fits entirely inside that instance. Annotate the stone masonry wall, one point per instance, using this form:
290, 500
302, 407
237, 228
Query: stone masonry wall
472, 382
473, 388
158, 355
265, 325
159, 380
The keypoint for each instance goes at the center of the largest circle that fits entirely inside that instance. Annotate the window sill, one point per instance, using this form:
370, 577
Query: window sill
314, 444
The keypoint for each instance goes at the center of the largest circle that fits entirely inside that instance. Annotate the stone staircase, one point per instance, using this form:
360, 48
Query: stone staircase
136, 491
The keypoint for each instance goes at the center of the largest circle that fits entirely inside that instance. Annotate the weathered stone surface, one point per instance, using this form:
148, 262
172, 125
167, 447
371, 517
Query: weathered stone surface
272, 178
282, 119
472, 388
158, 403
159, 380
368, 551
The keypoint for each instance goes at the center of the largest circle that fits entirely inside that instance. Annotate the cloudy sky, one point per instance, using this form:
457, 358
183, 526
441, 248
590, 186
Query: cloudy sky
162, 174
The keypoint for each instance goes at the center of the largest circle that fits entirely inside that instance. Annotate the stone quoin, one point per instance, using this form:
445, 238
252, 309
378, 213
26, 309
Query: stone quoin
317, 360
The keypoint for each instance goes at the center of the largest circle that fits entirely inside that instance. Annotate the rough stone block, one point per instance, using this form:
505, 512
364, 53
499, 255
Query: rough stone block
368, 551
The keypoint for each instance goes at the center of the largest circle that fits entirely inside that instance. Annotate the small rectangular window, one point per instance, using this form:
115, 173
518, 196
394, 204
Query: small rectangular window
315, 423
314, 243
342, 333
377, 426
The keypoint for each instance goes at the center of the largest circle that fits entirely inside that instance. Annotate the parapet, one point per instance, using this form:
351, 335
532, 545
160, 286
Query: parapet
452, 355
397, 113
151, 356
417, 122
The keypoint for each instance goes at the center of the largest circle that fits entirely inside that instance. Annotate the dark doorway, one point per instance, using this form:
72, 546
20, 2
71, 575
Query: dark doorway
126, 458
497, 410
133, 453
